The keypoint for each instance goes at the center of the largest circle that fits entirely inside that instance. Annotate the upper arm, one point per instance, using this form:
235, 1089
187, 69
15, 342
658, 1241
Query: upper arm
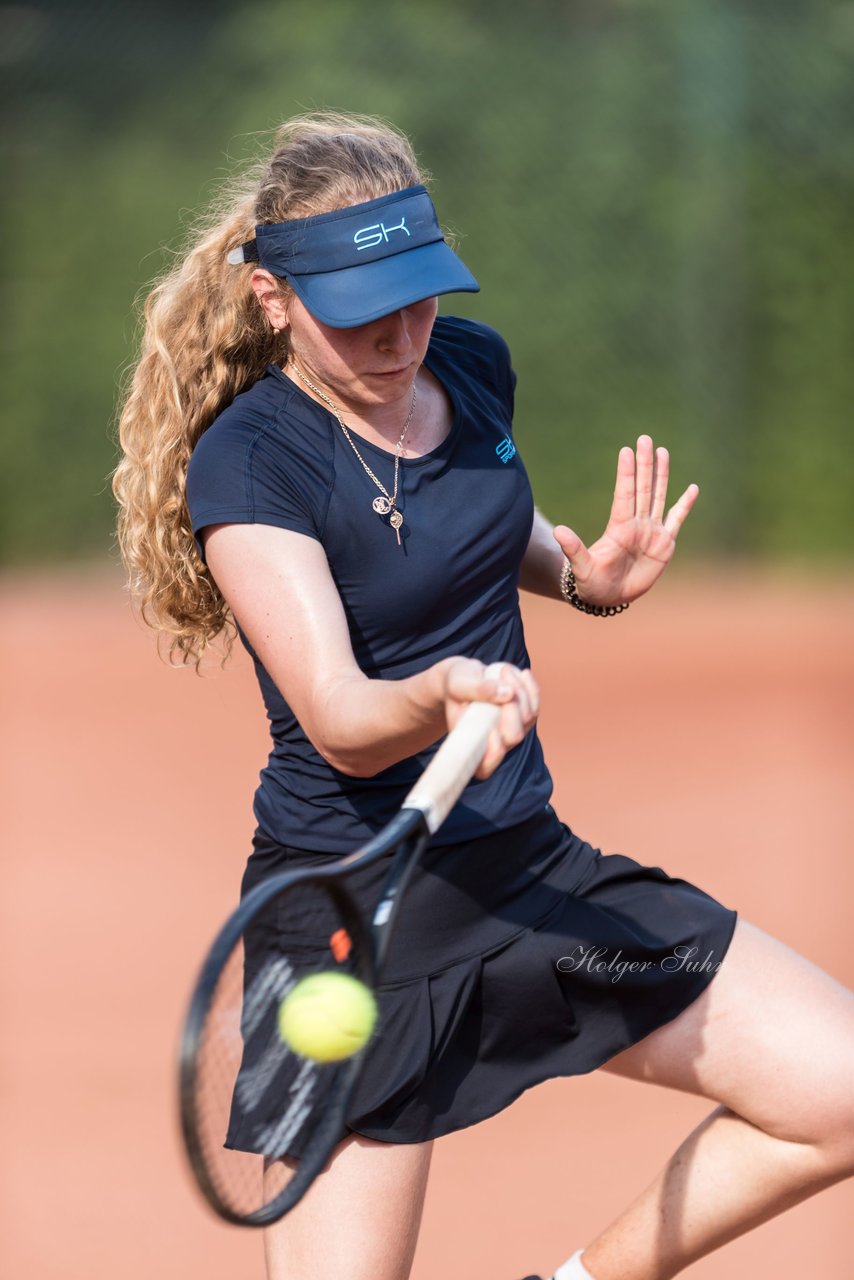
279, 587
541, 536
543, 559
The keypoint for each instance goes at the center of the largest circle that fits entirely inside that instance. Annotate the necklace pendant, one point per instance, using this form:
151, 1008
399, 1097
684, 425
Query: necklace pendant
384, 505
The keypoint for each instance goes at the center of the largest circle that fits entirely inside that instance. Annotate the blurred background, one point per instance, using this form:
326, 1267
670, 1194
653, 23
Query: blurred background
657, 197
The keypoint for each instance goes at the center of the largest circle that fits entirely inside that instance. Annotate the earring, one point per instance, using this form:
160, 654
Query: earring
276, 331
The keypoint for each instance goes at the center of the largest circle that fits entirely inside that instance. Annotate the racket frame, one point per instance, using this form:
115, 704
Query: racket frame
406, 836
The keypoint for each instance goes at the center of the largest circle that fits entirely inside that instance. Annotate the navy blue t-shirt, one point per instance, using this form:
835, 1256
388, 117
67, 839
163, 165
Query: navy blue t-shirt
275, 456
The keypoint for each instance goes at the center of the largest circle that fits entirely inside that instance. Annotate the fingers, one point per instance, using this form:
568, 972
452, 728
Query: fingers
641, 488
677, 513
644, 469
467, 681
574, 549
518, 715
515, 690
623, 506
661, 475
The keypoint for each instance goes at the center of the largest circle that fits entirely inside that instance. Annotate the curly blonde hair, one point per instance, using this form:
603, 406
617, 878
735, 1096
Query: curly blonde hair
205, 339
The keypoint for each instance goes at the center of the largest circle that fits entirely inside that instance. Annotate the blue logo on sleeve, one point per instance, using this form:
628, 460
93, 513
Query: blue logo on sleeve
506, 449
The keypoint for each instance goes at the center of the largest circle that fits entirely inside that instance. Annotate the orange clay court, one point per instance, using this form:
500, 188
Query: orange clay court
709, 730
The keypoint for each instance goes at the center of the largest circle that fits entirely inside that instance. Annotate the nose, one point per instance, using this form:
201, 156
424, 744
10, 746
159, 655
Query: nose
394, 335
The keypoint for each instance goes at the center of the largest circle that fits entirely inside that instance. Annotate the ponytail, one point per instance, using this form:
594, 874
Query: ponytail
206, 339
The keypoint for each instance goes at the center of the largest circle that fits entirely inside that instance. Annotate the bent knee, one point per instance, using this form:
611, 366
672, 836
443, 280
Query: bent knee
834, 1133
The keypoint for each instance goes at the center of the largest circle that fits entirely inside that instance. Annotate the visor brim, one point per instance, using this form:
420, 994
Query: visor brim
357, 295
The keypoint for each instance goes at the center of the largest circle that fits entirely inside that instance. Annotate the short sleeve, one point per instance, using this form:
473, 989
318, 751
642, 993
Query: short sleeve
505, 373
480, 352
242, 471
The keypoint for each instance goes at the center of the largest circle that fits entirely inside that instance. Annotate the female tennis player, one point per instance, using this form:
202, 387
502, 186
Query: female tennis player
312, 453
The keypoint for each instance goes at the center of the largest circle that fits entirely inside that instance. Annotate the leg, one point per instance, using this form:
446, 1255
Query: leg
360, 1219
772, 1040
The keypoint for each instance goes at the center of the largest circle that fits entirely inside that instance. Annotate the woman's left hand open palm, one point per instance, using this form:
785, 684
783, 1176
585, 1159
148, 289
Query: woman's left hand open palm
639, 540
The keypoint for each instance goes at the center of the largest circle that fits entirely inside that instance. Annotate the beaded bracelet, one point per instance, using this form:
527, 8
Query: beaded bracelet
569, 591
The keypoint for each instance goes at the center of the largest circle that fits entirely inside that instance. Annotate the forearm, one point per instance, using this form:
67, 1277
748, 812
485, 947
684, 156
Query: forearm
543, 561
363, 726
278, 584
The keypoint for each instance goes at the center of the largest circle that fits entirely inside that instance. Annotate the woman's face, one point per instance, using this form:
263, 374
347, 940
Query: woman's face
371, 365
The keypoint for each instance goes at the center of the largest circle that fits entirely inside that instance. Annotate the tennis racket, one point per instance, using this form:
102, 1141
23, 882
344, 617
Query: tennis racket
259, 1122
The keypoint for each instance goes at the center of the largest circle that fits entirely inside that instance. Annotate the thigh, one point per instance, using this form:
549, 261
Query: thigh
771, 1037
360, 1218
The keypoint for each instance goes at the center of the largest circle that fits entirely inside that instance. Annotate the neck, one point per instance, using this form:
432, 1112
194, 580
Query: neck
384, 422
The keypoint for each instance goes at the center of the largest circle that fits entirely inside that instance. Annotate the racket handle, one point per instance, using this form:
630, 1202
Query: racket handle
449, 772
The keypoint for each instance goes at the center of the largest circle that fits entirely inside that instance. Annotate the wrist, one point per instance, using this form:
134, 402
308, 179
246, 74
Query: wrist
427, 691
571, 594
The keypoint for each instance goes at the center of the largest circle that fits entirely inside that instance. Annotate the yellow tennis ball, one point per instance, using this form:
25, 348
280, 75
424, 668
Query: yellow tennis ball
327, 1016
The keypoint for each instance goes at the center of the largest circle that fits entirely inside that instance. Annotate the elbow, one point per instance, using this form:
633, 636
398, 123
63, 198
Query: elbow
352, 763
333, 731
339, 733
355, 767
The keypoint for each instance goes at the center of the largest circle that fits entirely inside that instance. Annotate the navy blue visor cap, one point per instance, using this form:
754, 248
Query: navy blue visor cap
353, 265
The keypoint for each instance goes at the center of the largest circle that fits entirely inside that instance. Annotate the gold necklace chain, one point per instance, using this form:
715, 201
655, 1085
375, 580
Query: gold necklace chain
386, 505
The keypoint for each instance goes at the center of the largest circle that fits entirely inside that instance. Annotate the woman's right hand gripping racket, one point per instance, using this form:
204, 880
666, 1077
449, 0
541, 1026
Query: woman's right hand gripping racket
260, 1121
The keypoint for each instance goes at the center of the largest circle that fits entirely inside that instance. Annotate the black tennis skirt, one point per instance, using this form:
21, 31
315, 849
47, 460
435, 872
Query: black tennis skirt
517, 957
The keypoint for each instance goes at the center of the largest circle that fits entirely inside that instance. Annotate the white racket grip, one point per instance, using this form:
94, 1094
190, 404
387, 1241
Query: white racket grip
449, 772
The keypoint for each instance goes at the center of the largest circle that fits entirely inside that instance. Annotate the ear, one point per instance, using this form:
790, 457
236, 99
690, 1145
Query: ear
269, 296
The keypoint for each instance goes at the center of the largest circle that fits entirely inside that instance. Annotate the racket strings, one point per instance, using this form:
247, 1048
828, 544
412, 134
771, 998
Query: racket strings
255, 1102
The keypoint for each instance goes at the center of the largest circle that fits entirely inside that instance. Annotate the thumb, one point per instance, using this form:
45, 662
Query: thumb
574, 549
469, 681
